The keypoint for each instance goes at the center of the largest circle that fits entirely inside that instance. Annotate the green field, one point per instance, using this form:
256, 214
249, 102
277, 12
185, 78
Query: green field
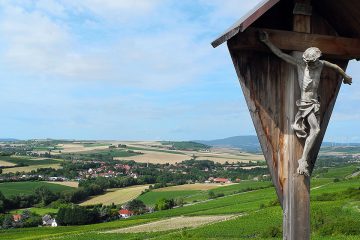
340, 172
96, 144
155, 150
330, 219
15, 188
40, 211
27, 161
190, 196
107, 154
150, 198
335, 214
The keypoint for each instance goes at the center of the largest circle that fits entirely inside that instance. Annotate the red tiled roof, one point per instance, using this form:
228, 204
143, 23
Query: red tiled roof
125, 211
17, 217
221, 179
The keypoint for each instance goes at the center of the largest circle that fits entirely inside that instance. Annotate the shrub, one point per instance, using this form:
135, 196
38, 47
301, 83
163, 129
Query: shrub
272, 232
212, 195
76, 215
163, 204
137, 206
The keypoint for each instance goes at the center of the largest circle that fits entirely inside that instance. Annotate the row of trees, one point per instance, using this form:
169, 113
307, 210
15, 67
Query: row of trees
27, 219
43, 196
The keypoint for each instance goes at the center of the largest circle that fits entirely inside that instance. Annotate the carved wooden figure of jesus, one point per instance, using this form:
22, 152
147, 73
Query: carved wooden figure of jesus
307, 122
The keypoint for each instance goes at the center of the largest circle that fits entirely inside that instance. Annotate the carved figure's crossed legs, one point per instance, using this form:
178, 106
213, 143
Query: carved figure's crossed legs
309, 143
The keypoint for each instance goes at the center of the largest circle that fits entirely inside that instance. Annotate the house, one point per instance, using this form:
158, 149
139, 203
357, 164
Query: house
49, 221
54, 223
221, 180
124, 213
17, 217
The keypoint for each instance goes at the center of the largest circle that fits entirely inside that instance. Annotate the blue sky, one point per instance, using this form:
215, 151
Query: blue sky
130, 70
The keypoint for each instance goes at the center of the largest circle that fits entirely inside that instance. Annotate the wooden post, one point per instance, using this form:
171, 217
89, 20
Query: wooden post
271, 87
296, 203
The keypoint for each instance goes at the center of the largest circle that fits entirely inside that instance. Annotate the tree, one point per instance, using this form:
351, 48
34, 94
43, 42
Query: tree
45, 195
30, 219
8, 221
76, 215
137, 206
212, 194
3, 202
163, 204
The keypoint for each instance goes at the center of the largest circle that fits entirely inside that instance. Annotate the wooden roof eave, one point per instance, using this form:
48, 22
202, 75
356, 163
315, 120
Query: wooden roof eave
243, 23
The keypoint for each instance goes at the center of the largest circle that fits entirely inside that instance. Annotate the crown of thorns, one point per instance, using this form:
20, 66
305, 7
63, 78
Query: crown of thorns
311, 54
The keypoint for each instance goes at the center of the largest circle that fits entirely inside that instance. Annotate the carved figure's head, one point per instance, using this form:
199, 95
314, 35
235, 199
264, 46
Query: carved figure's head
311, 55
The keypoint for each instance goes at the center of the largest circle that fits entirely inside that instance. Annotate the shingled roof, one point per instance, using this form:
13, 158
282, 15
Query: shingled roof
343, 16
245, 21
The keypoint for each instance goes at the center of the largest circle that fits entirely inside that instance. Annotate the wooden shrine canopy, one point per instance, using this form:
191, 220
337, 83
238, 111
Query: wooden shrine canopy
342, 19
271, 86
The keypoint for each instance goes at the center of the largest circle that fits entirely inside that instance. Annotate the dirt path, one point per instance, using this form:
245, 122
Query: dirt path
174, 223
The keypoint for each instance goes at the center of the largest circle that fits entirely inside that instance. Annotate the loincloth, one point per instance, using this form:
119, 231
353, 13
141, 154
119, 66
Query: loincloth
305, 107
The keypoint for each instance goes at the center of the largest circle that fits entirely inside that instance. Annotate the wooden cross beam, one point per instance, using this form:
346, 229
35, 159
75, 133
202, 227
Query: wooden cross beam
331, 46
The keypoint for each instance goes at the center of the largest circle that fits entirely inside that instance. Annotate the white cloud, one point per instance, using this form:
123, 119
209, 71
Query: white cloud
40, 46
230, 8
51, 7
113, 10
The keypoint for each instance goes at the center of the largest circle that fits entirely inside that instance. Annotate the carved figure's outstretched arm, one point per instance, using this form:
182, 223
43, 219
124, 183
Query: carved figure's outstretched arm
347, 78
264, 37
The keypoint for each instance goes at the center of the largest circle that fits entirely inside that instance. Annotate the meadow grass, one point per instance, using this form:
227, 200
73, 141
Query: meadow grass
150, 198
40, 211
156, 150
27, 160
335, 219
195, 186
340, 172
40, 233
15, 188
209, 207
30, 168
333, 187
95, 144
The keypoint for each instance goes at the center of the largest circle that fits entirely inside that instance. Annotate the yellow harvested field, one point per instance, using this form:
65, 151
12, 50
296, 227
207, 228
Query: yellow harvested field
117, 195
172, 158
79, 147
6, 164
174, 223
196, 186
66, 183
157, 157
30, 168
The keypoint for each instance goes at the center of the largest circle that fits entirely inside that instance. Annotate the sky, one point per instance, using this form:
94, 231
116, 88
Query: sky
130, 70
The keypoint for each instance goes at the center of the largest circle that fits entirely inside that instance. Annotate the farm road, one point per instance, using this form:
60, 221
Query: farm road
174, 223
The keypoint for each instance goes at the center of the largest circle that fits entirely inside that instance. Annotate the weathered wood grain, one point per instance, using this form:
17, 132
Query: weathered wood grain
331, 46
270, 87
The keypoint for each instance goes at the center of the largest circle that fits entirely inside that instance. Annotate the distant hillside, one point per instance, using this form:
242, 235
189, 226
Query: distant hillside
245, 143
336, 144
251, 143
186, 145
8, 140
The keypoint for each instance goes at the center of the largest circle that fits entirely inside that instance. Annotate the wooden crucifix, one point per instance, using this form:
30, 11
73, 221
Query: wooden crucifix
290, 91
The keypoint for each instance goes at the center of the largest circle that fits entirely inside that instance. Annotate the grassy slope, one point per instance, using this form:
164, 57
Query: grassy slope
28, 161
190, 196
14, 188
151, 198
30, 168
256, 222
340, 172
